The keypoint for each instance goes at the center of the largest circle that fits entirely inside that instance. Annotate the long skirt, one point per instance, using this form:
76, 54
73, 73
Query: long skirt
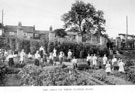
41, 53
74, 65
11, 62
121, 69
54, 58
36, 62
116, 67
61, 60
88, 62
51, 61
69, 58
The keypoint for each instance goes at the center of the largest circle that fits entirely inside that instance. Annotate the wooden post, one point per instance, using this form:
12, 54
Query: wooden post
2, 17
126, 30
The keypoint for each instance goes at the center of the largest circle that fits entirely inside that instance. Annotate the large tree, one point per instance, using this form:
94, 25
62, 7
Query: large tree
84, 18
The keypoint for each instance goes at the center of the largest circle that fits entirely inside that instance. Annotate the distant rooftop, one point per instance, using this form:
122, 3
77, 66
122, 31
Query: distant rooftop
127, 35
12, 28
42, 31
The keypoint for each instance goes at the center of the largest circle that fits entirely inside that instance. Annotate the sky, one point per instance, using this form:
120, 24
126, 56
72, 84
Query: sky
46, 13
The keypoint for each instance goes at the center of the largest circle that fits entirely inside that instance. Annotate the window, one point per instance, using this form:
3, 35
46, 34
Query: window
12, 33
36, 35
0, 32
74, 36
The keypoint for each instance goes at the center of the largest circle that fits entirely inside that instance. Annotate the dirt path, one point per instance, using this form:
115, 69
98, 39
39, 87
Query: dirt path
117, 80
89, 77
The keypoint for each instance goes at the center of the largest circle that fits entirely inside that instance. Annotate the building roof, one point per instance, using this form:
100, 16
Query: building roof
41, 32
28, 28
127, 35
11, 28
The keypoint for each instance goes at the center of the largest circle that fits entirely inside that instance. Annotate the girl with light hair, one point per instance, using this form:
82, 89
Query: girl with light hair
108, 67
94, 59
22, 54
61, 57
37, 58
121, 66
104, 60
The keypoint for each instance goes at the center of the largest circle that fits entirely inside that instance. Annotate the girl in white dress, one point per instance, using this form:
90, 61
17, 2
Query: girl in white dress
108, 68
104, 60
22, 54
69, 55
37, 55
37, 58
94, 59
121, 66
54, 54
30, 55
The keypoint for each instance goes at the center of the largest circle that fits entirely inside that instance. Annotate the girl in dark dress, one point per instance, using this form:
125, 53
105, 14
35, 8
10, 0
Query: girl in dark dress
41, 55
11, 62
10, 59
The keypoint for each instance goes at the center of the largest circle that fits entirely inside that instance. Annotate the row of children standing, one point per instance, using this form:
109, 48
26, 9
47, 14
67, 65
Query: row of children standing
53, 56
10, 55
39, 56
108, 64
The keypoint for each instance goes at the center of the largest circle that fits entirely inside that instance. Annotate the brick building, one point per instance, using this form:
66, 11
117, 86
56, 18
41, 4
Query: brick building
12, 33
74, 37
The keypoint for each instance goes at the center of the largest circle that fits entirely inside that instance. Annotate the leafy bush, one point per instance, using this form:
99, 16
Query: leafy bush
109, 79
2, 73
29, 75
129, 63
99, 74
130, 74
58, 76
34, 45
79, 50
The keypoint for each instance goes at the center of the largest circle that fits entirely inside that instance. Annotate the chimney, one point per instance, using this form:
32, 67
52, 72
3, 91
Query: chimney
51, 28
19, 24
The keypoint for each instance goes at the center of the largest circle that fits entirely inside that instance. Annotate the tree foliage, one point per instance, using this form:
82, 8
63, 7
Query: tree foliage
34, 46
60, 32
4, 44
84, 18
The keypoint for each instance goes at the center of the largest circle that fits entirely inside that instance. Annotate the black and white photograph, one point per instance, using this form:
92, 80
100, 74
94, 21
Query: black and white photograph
67, 43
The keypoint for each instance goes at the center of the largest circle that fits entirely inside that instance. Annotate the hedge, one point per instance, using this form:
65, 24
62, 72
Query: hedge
79, 50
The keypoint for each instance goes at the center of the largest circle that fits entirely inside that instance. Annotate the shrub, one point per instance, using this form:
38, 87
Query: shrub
130, 74
129, 63
99, 74
79, 50
2, 73
34, 45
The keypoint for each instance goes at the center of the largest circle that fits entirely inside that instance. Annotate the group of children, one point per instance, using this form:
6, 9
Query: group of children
53, 56
10, 55
108, 64
41, 56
